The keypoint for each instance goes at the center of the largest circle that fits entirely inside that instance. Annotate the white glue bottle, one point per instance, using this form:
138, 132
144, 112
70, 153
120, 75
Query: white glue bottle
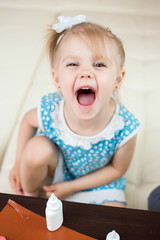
113, 236
54, 213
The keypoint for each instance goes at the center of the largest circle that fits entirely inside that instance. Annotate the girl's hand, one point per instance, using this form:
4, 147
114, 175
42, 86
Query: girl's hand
61, 190
15, 182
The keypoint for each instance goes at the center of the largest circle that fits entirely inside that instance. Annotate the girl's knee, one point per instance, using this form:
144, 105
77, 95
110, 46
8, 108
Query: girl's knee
114, 204
39, 151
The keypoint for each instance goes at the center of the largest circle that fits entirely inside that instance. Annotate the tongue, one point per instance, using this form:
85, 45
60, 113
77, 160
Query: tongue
86, 99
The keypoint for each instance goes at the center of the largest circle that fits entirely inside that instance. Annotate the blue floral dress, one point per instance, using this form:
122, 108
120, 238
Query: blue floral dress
79, 155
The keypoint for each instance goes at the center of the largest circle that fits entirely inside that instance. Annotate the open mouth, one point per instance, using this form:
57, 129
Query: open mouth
86, 96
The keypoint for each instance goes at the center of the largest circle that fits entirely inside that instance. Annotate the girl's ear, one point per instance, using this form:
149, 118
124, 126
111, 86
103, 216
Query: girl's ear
119, 80
55, 80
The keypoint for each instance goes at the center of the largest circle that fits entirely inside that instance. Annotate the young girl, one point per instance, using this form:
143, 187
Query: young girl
86, 138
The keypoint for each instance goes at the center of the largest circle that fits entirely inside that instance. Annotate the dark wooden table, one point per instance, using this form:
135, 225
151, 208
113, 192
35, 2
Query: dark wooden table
96, 221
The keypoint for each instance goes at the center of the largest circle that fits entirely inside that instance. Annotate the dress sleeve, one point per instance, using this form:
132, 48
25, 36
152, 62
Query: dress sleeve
131, 126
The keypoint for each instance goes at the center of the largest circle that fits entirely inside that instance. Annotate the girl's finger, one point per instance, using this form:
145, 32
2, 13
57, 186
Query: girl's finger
49, 188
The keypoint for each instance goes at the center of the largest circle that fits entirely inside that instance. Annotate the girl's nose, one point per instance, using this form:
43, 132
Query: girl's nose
86, 75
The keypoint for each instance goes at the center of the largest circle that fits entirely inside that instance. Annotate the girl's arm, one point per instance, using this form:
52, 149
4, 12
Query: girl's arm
105, 175
28, 127
111, 172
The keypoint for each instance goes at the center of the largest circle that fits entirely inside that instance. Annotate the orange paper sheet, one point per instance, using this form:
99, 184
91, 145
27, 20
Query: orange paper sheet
17, 223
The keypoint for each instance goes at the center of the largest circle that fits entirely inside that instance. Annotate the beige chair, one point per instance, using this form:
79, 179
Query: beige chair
25, 75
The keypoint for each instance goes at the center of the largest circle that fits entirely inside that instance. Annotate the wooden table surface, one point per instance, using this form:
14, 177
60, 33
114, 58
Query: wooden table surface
96, 221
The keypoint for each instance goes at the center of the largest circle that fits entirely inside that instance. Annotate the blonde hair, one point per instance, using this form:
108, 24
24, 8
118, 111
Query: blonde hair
96, 34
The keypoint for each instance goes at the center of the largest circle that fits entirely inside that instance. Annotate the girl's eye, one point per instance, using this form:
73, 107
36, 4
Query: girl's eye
99, 65
72, 64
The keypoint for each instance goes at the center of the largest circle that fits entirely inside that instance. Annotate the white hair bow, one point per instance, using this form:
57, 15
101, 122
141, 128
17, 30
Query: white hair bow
68, 22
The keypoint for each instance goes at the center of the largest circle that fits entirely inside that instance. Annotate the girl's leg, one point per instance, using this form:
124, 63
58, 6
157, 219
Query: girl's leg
39, 159
114, 204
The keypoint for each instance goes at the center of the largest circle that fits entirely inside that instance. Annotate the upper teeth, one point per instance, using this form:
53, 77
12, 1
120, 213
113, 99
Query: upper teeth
85, 88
